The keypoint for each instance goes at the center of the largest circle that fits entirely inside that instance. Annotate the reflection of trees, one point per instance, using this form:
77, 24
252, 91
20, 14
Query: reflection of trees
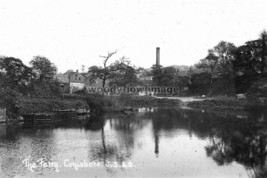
231, 139
168, 120
17, 146
242, 141
95, 123
125, 127
247, 147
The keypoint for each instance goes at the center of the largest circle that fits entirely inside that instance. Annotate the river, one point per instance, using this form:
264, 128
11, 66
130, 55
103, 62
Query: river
153, 142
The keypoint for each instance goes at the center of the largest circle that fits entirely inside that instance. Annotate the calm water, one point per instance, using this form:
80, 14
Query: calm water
154, 142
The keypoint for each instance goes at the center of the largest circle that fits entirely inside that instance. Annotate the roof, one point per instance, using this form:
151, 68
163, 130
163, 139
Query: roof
62, 78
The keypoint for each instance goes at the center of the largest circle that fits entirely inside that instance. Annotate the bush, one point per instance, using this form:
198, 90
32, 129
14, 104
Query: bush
95, 102
9, 100
223, 87
45, 90
49, 105
258, 89
81, 91
200, 84
143, 101
222, 101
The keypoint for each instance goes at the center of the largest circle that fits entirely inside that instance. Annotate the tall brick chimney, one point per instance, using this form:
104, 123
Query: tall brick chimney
157, 56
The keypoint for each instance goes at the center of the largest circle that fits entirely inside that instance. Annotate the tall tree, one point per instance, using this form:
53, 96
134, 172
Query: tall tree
250, 62
122, 73
209, 63
169, 76
225, 51
43, 68
14, 74
200, 83
263, 38
102, 72
120, 69
44, 84
157, 71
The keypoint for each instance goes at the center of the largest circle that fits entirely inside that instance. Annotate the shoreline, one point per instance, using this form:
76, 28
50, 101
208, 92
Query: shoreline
185, 99
130, 103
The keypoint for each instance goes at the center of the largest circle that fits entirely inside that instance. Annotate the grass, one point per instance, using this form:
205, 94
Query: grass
222, 102
37, 105
106, 103
127, 100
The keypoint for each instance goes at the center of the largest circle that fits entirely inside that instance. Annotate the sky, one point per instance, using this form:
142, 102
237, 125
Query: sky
72, 33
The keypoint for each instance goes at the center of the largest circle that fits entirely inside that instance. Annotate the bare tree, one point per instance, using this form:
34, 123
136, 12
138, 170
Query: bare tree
102, 72
113, 70
106, 70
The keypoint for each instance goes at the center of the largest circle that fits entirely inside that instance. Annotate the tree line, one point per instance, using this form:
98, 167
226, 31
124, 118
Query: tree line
35, 80
226, 69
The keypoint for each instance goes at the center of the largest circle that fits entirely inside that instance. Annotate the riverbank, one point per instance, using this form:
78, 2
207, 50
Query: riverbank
130, 102
40, 105
229, 104
183, 99
94, 103
221, 103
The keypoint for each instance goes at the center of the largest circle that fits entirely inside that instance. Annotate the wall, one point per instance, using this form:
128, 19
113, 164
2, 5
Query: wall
76, 86
77, 78
2, 114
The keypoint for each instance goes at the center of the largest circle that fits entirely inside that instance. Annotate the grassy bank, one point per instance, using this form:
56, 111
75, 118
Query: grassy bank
118, 103
97, 103
143, 101
40, 105
220, 103
229, 103
100, 103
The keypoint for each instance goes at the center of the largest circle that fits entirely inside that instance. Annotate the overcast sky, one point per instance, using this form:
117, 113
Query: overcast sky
72, 33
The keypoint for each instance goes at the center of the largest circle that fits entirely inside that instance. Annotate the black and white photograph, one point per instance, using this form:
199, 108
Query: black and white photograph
133, 88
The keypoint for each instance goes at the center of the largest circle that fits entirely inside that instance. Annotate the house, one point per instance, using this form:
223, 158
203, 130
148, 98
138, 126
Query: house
76, 77
64, 83
94, 83
145, 76
76, 80
72, 81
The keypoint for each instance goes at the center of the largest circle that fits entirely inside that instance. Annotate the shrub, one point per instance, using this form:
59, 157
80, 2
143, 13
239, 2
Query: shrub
9, 100
49, 105
95, 102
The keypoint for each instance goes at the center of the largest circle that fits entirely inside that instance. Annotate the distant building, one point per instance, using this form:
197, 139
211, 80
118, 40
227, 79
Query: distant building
76, 77
64, 83
72, 81
2, 115
94, 83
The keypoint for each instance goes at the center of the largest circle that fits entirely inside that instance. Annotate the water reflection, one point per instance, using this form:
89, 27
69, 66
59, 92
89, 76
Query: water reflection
160, 141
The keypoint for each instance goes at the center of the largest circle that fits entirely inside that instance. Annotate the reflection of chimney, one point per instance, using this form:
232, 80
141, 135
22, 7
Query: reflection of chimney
156, 135
157, 56
264, 48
